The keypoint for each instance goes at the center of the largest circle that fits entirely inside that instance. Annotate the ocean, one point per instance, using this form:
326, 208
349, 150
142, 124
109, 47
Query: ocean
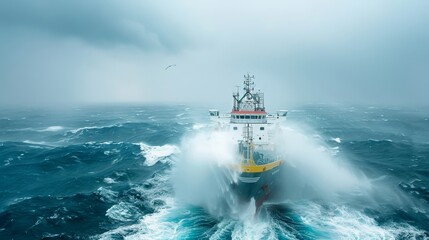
109, 172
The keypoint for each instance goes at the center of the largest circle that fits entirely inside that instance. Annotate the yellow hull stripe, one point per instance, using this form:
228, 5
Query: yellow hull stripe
260, 168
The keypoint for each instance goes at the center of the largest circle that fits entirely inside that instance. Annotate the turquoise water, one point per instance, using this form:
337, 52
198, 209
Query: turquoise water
106, 173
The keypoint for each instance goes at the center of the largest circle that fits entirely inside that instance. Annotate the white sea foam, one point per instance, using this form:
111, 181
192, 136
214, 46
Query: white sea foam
109, 180
254, 227
198, 126
8, 161
83, 128
34, 142
380, 140
107, 194
342, 222
338, 140
154, 154
150, 226
38, 144
123, 212
52, 129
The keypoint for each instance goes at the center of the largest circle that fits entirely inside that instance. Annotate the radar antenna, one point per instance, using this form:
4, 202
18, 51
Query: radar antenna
249, 101
248, 83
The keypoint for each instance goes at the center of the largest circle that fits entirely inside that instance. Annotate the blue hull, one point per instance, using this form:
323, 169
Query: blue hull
259, 186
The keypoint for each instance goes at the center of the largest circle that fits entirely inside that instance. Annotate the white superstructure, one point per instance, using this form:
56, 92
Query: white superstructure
248, 119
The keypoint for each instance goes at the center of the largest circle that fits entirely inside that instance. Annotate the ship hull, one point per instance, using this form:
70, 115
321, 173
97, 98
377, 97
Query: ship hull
257, 185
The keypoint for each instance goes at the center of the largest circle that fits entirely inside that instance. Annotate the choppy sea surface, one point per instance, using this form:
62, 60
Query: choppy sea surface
105, 173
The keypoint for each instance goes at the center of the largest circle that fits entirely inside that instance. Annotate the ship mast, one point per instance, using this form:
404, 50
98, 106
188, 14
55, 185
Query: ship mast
248, 84
250, 101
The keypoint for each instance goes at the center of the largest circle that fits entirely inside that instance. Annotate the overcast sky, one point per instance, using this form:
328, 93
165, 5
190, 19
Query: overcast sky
77, 52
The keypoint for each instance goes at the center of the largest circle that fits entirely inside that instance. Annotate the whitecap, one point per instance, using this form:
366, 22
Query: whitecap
18, 200
92, 127
109, 180
54, 216
150, 226
198, 126
338, 140
154, 154
34, 142
52, 129
83, 128
343, 222
415, 180
124, 212
382, 140
106, 194
8, 161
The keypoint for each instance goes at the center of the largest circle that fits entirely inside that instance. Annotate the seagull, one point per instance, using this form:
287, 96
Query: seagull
169, 66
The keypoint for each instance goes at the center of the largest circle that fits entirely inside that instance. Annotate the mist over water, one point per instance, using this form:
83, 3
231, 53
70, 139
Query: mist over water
203, 174
312, 169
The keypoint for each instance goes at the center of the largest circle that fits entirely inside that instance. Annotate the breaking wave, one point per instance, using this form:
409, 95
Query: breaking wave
154, 154
52, 129
312, 169
202, 175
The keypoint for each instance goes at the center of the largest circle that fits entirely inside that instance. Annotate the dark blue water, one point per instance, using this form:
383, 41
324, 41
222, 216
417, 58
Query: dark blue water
104, 173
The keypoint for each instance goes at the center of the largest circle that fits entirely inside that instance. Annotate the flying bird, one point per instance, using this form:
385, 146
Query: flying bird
169, 66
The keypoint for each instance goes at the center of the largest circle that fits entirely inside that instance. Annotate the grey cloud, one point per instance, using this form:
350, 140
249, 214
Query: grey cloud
300, 52
101, 23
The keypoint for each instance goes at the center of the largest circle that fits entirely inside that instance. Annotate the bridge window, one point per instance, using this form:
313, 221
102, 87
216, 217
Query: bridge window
247, 117
262, 128
235, 128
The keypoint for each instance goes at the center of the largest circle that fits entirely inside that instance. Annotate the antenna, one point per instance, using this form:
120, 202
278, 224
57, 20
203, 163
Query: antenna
248, 83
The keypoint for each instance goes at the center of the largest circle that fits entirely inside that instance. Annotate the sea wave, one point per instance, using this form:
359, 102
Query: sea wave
154, 154
74, 131
52, 129
123, 212
156, 225
342, 222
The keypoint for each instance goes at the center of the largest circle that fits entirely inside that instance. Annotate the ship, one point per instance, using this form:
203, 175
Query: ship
253, 129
